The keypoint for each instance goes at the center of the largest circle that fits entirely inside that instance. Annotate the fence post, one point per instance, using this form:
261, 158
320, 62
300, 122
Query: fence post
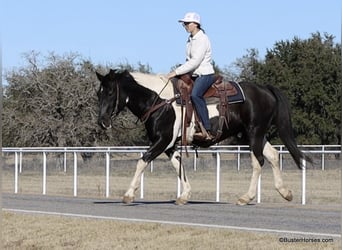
238, 158
44, 173
304, 182
281, 158
107, 172
195, 161
323, 157
20, 160
178, 187
259, 190
65, 160
75, 173
142, 186
218, 177
151, 166
16, 172
142, 183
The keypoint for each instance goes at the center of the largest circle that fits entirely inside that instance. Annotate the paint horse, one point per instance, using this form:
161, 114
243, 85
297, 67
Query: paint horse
150, 99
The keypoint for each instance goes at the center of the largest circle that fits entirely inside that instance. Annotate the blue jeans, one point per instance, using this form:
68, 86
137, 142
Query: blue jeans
201, 85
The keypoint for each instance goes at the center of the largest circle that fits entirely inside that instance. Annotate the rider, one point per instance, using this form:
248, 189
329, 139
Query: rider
199, 64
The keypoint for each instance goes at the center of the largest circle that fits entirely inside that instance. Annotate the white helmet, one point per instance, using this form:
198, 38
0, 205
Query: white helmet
191, 17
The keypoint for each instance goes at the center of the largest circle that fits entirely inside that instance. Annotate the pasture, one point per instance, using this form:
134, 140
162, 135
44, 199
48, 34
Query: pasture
55, 232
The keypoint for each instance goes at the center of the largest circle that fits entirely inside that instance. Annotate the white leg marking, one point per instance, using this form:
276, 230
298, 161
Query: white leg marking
250, 195
135, 183
272, 155
186, 188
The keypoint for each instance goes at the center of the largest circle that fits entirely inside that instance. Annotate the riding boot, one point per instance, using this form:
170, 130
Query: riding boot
206, 136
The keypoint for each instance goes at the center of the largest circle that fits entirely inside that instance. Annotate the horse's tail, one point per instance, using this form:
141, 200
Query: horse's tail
283, 123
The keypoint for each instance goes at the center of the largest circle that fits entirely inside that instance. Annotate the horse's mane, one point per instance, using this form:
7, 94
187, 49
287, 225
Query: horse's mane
155, 82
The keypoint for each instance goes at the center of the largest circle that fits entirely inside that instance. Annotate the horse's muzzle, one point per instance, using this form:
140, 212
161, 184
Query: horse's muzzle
105, 124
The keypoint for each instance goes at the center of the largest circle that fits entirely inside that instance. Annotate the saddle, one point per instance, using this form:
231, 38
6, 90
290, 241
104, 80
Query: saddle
220, 90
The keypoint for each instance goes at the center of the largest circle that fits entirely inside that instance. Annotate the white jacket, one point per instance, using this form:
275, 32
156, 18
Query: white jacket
198, 56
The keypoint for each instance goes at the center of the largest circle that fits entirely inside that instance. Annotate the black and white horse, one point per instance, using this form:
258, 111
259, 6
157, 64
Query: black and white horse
264, 106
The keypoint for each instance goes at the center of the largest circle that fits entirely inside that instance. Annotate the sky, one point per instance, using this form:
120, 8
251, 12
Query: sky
112, 32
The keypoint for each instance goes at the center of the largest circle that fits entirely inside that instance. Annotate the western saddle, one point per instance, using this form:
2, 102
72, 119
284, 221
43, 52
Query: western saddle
220, 89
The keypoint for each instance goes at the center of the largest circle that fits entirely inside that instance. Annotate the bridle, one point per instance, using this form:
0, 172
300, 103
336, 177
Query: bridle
116, 108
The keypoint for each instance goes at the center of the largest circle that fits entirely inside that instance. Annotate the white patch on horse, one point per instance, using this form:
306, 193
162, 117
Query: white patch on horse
164, 88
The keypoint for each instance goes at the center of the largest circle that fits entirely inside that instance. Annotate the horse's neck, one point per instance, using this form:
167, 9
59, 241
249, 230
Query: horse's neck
157, 83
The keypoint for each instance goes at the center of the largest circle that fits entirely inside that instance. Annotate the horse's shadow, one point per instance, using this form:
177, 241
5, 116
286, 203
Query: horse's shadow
166, 202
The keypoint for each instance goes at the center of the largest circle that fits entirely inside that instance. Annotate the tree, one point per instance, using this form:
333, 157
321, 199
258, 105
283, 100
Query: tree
55, 104
242, 68
309, 72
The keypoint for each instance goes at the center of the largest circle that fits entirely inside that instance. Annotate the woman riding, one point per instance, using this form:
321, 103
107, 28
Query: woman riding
199, 65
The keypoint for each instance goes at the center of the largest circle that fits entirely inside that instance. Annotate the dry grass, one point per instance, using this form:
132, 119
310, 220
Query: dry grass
24, 231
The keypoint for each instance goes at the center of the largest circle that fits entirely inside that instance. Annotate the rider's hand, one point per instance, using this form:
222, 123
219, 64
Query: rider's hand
171, 75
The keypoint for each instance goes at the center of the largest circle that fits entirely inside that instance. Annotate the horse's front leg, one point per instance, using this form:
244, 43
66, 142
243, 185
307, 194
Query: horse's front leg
251, 193
186, 188
135, 183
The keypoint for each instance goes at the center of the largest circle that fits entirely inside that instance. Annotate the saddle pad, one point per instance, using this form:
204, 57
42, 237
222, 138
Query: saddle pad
240, 95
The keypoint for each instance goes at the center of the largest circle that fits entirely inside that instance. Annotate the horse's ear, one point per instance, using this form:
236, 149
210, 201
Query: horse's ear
112, 73
99, 76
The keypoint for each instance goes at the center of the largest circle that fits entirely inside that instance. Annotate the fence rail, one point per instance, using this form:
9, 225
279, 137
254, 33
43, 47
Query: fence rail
321, 150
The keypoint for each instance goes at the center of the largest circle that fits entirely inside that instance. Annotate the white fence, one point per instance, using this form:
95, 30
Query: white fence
321, 150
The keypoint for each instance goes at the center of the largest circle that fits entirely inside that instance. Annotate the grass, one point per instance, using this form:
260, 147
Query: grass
24, 231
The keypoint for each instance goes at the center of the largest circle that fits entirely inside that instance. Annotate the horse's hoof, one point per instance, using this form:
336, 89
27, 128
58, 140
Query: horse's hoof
289, 196
242, 202
181, 201
127, 199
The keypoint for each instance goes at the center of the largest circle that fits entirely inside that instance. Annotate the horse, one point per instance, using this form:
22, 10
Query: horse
152, 101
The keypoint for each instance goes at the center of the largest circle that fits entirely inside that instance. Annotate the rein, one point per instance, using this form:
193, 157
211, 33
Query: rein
145, 117
117, 99
154, 107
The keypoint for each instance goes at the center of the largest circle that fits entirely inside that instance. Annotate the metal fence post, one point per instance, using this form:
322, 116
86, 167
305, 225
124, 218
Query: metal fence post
304, 182
259, 190
323, 157
75, 173
218, 177
281, 158
16, 172
44, 173
195, 161
65, 160
238, 158
20, 160
107, 172
142, 182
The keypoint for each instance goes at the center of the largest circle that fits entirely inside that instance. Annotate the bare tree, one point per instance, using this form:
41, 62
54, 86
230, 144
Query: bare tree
55, 104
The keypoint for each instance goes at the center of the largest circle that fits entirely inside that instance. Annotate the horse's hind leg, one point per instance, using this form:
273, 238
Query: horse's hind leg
186, 188
272, 156
135, 183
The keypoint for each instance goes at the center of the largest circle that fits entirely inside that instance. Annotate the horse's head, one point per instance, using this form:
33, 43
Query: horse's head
111, 98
